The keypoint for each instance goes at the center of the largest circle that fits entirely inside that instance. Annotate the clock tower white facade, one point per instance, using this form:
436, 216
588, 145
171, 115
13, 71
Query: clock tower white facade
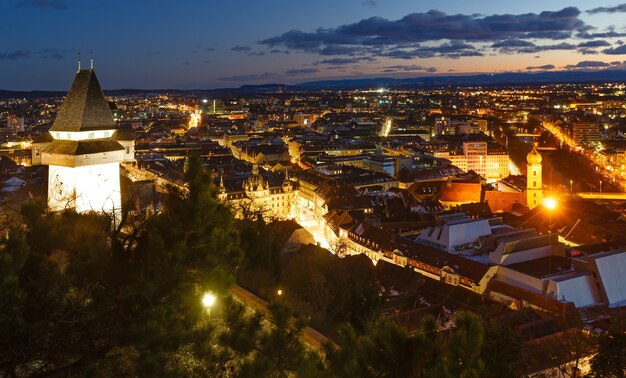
83, 151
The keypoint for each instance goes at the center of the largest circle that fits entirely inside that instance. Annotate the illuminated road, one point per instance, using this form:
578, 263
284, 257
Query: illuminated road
307, 219
602, 196
613, 175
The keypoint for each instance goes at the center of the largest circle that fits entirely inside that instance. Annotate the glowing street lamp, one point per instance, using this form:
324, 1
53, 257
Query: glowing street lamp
208, 300
279, 292
550, 204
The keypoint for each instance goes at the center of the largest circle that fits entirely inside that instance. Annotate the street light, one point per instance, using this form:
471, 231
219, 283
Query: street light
208, 300
600, 186
279, 292
571, 183
550, 204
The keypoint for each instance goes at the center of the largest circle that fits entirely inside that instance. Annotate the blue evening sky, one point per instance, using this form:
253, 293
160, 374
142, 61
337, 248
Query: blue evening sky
208, 44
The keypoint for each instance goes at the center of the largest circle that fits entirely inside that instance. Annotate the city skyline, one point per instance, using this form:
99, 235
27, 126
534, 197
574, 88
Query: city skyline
202, 45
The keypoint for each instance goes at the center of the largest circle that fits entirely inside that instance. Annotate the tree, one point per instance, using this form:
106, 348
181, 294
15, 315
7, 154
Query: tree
254, 349
611, 358
73, 301
461, 357
331, 289
501, 352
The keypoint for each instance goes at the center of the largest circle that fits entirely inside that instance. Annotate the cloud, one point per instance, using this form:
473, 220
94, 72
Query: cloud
615, 51
18, 54
609, 33
588, 64
596, 43
210, 49
616, 9
543, 67
587, 51
452, 50
369, 3
248, 77
341, 61
153, 53
241, 48
512, 43
413, 67
54, 4
256, 53
378, 36
301, 71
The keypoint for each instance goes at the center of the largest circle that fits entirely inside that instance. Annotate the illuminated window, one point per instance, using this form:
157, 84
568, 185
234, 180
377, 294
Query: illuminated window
90, 136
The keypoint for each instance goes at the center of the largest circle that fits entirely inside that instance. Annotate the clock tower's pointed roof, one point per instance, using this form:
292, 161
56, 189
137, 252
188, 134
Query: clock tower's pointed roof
84, 107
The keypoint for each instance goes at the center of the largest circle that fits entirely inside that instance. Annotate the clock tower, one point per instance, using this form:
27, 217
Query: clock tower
83, 151
534, 186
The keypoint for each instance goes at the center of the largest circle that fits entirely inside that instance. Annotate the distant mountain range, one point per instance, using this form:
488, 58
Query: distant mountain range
511, 78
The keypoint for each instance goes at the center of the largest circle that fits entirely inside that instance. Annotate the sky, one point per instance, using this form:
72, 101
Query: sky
198, 44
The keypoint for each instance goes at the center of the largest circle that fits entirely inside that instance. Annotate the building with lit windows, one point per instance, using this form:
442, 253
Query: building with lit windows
491, 163
586, 134
256, 195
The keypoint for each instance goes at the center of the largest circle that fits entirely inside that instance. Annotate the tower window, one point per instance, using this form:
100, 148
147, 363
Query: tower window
534, 173
534, 184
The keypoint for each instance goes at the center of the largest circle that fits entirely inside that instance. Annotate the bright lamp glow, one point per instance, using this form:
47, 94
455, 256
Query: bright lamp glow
208, 300
549, 203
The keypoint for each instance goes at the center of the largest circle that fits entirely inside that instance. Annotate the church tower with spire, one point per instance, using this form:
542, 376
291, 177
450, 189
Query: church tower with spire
83, 151
534, 186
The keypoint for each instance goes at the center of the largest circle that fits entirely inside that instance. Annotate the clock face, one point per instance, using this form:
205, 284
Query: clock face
58, 189
102, 179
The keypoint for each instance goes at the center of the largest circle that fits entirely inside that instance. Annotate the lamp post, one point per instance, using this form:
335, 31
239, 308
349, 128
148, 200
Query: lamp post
600, 186
208, 300
571, 186
550, 204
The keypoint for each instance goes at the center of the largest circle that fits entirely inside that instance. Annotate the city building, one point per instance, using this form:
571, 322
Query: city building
490, 162
586, 134
255, 195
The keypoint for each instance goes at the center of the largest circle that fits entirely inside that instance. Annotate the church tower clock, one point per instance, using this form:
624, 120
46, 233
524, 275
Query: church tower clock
534, 186
84, 151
